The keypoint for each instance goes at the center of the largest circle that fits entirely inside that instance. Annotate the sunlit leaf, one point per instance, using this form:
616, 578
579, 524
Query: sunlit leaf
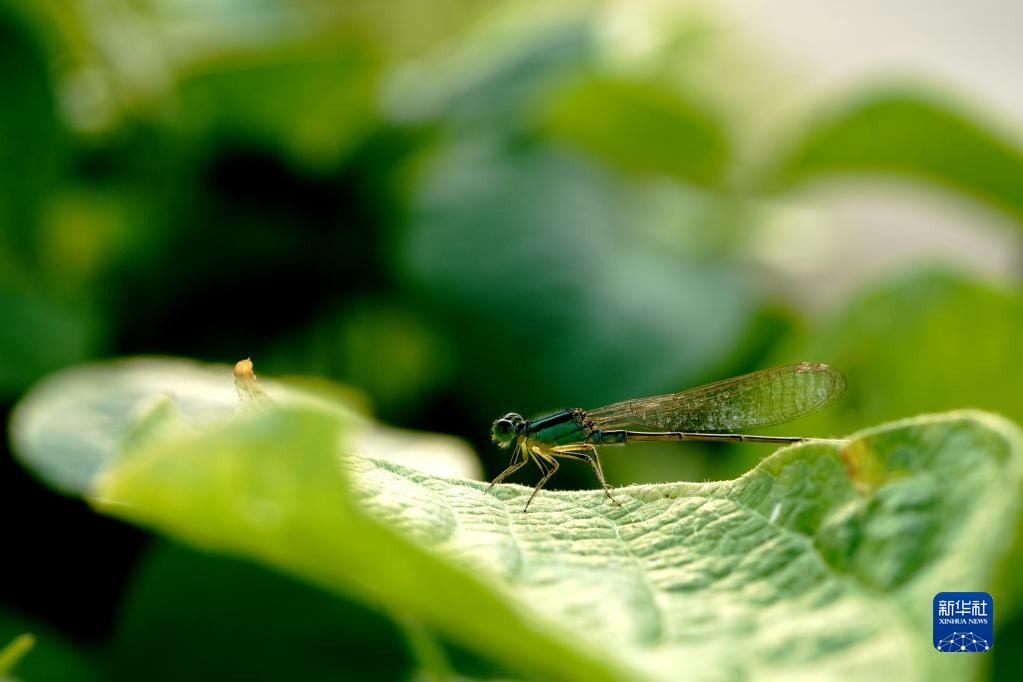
72, 425
819, 563
902, 133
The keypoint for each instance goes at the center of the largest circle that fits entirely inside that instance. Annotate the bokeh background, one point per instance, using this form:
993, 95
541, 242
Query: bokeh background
463, 209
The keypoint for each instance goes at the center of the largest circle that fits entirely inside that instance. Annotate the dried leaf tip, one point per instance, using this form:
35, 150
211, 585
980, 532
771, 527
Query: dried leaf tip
251, 396
243, 369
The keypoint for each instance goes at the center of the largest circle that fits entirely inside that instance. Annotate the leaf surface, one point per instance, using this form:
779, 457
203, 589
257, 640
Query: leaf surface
821, 562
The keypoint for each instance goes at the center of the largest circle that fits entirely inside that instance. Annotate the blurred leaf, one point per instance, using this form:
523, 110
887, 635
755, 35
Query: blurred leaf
492, 78
533, 257
311, 103
41, 332
915, 135
189, 615
821, 562
642, 126
51, 657
14, 652
400, 28
390, 350
31, 140
929, 340
89, 228
42, 329
120, 60
72, 425
1008, 658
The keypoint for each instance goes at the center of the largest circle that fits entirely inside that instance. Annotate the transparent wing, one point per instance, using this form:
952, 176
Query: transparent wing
770, 396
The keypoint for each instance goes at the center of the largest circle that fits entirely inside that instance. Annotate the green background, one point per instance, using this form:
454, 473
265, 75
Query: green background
457, 210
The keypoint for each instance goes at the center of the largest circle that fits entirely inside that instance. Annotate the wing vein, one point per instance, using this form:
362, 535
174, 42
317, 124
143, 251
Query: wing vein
764, 398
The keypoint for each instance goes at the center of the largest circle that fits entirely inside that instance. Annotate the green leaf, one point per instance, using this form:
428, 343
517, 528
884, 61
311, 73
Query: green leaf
291, 511
925, 341
643, 127
312, 104
492, 77
72, 425
52, 657
538, 283
44, 329
42, 332
13, 652
32, 144
916, 135
821, 562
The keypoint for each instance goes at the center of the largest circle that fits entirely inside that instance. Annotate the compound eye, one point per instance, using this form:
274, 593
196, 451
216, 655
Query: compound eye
503, 427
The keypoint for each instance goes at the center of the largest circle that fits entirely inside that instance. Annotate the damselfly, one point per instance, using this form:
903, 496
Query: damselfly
715, 412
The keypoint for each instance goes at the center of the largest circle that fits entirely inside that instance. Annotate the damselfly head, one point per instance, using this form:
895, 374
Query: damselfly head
505, 429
